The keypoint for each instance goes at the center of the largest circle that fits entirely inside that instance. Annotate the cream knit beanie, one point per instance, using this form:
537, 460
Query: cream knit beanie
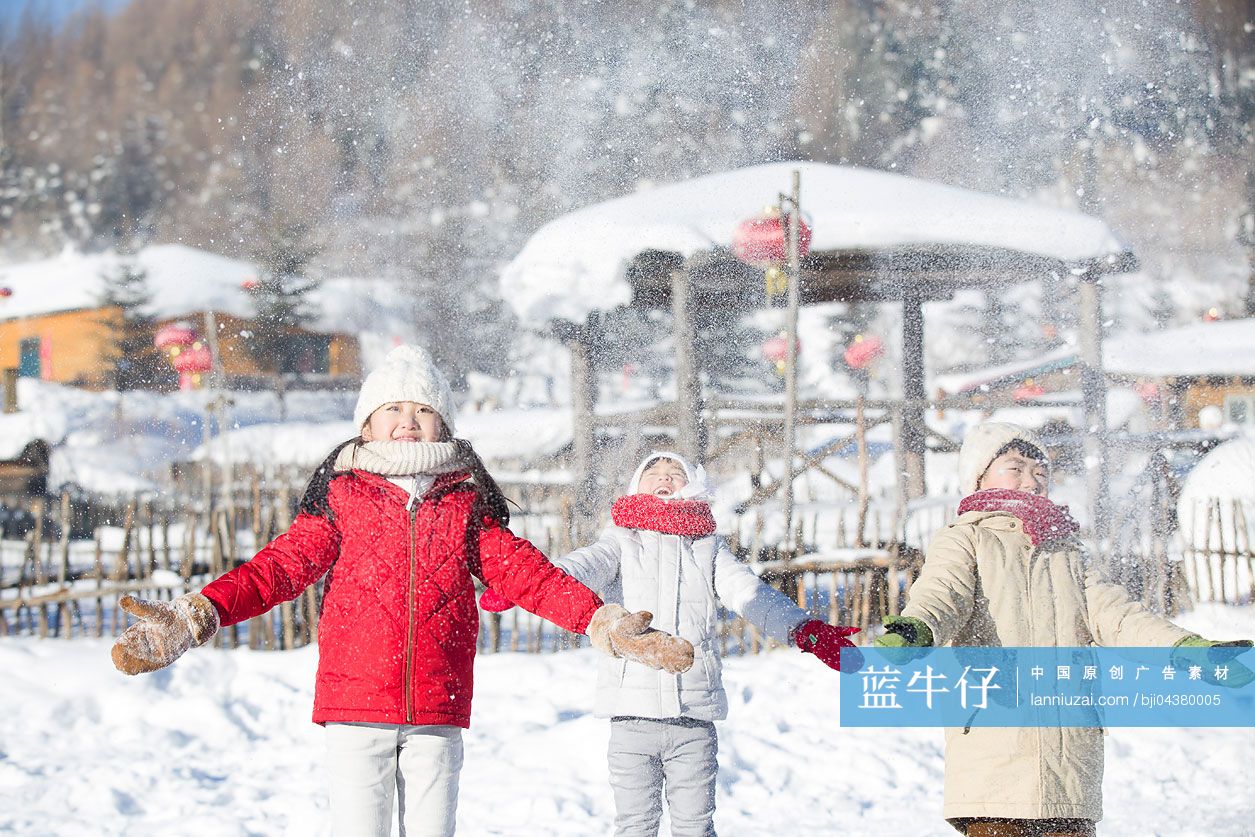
981, 446
406, 374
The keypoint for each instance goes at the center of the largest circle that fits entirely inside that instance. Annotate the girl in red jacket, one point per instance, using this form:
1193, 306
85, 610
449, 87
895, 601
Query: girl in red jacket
399, 521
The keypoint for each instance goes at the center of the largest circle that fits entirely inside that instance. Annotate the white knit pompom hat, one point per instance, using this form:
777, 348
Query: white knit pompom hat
981, 446
699, 486
406, 374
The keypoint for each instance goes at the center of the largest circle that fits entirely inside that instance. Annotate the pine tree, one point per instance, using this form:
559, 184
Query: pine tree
281, 305
131, 359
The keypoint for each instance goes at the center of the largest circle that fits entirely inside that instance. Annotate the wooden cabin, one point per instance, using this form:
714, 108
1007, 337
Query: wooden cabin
53, 326
72, 347
1179, 372
25, 475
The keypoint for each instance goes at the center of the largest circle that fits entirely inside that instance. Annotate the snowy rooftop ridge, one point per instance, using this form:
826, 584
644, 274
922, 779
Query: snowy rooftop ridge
185, 280
182, 279
1220, 348
574, 264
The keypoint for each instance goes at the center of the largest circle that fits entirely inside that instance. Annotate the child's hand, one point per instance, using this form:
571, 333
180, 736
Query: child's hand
1216, 654
906, 633
618, 633
493, 602
165, 630
825, 642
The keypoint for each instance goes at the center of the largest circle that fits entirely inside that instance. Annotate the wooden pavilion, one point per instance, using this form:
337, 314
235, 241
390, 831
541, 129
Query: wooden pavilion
876, 237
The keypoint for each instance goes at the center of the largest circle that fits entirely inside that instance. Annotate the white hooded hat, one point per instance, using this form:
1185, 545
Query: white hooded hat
981, 446
406, 374
698, 487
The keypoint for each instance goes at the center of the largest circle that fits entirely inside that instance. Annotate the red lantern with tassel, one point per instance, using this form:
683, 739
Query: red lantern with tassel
764, 241
864, 350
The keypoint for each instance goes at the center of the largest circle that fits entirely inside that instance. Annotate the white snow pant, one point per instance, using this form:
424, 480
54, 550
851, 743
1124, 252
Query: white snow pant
368, 763
648, 756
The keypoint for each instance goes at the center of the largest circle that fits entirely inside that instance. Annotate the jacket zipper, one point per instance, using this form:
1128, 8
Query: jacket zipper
408, 684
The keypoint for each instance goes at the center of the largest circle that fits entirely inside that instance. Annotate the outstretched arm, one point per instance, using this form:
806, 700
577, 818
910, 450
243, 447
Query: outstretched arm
520, 572
285, 567
945, 592
515, 568
279, 572
760, 604
595, 565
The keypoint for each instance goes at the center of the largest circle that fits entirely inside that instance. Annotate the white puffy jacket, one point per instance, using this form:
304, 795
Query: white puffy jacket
679, 580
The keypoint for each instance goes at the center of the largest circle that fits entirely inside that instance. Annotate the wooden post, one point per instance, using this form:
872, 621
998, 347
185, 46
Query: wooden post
864, 495
688, 393
1094, 396
10, 389
63, 571
100, 581
790, 364
583, 442
913, 393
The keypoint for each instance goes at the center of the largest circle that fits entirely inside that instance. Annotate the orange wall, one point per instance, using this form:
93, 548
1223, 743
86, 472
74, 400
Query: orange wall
1208, 394
80, 339
77, 342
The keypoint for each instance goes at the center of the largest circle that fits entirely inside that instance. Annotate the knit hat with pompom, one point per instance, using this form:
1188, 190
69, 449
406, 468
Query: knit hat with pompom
406, 374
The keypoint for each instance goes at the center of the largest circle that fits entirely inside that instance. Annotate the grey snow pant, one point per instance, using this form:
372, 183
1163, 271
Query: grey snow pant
650, 755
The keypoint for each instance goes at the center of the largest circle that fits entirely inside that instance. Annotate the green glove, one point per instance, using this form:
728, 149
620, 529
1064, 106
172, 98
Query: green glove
904, 632
1239, 675
905, 638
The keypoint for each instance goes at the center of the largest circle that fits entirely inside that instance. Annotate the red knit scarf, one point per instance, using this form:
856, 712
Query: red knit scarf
1043, 520
690, 518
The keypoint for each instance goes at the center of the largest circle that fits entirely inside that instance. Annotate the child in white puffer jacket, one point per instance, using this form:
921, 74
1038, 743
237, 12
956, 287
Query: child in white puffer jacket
661, 555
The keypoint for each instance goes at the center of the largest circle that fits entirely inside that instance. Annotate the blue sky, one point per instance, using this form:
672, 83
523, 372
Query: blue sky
11, 10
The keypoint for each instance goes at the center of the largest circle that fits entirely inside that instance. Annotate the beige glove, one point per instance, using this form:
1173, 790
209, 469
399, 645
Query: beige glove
618, 633
165, 630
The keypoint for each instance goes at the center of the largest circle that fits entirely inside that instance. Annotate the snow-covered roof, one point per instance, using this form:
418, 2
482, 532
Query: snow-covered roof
574, 264
17, 430
956, 382
185, 280
1221, 348
182, 280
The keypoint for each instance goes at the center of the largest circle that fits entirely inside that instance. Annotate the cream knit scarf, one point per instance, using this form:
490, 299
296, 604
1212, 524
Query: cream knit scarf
401, 459
411, 466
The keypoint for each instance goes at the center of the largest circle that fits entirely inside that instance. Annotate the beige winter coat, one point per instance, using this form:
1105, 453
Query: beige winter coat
983, 583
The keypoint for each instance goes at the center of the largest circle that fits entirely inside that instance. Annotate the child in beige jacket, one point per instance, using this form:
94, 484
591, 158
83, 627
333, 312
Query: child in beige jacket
1011, 572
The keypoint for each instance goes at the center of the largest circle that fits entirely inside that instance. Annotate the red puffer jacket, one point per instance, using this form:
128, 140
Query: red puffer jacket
399, 623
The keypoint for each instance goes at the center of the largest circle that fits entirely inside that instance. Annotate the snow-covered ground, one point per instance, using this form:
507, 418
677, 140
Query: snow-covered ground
221, 744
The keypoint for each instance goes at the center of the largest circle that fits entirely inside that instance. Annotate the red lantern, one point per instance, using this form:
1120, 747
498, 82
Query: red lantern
765, 240
193, 360
776, 349
864, 350
1148, 391
1028, 390
5, 293
174, 335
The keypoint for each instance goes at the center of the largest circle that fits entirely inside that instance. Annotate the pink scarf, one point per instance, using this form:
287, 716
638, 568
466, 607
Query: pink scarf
1043, 520
690, 518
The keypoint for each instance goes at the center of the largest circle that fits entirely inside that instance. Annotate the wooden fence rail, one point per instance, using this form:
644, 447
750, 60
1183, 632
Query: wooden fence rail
854, 567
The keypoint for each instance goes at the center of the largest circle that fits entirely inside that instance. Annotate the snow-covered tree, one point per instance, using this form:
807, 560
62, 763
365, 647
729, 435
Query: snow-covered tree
131, 359
281, 304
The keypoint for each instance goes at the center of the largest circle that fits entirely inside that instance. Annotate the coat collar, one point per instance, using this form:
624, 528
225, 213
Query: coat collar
396, 491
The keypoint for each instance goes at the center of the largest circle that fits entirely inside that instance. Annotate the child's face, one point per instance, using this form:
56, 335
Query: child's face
662, 479
1017, 472
403, 421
